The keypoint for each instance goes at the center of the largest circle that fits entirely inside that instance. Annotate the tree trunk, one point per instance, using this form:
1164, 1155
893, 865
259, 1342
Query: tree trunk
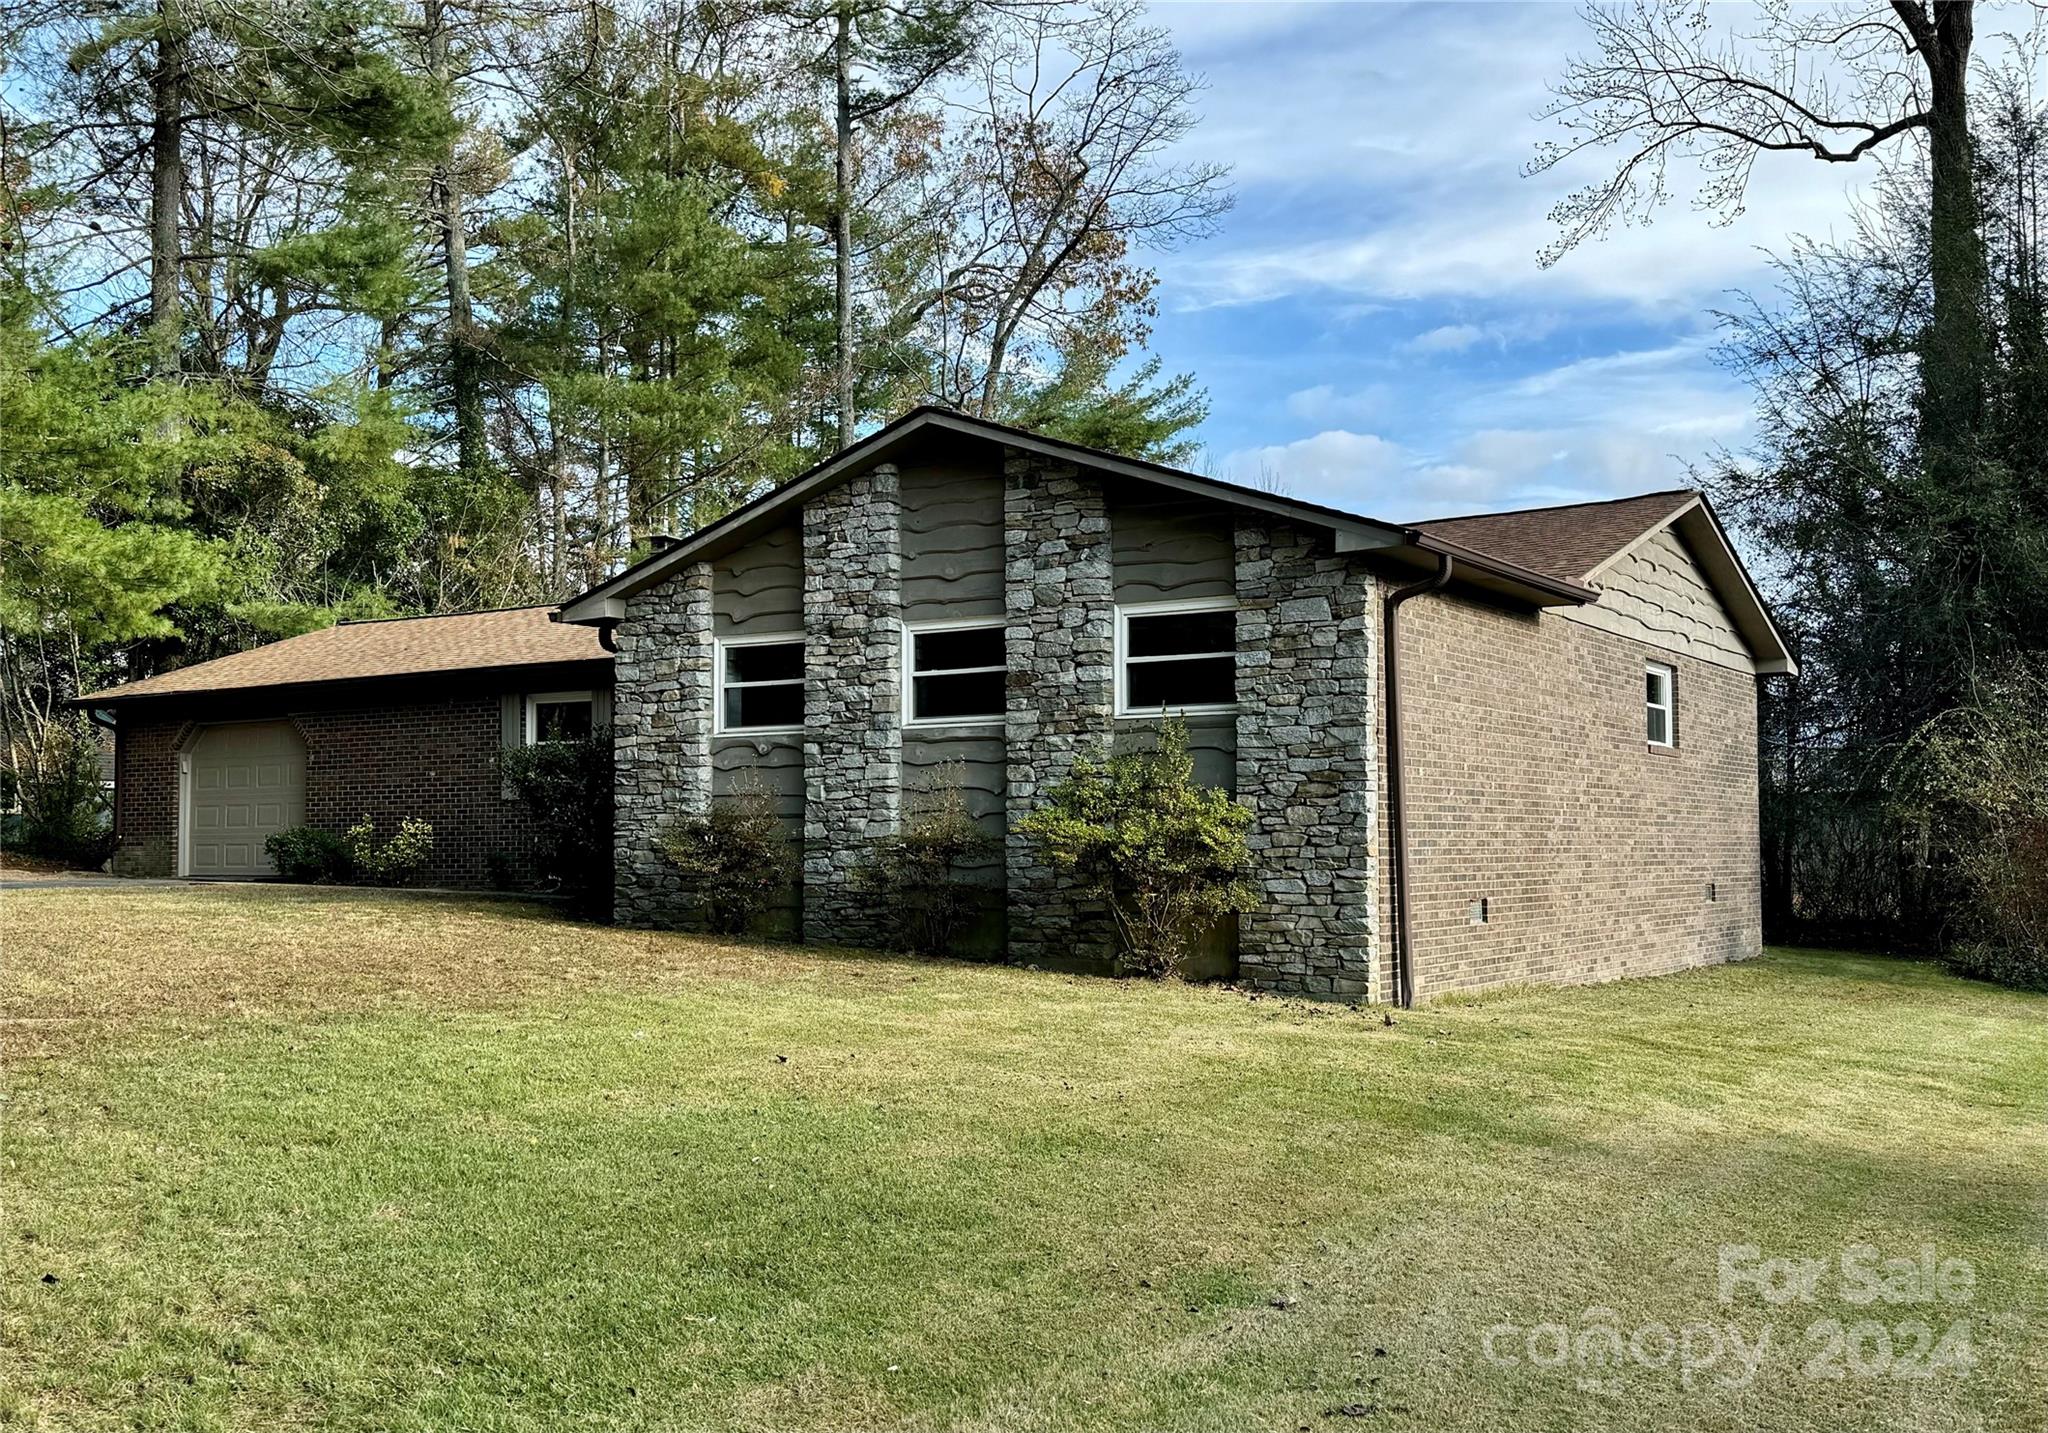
842, 215
167, 188
1956, 351
465, 378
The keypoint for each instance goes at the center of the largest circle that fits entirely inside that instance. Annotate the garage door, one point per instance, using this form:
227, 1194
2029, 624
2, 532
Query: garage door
248, 782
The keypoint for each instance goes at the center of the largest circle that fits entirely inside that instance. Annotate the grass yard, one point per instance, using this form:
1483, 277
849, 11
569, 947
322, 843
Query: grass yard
279, 1159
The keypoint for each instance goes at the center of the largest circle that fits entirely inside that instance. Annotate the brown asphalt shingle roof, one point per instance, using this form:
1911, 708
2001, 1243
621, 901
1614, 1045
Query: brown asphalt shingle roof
1562, 542
399, 647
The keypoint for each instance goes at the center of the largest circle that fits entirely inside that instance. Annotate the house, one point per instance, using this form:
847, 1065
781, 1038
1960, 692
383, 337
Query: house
389, 719
1478, 751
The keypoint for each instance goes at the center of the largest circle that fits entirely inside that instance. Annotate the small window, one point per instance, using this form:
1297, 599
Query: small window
761, 684
1177, 657
956, 673
1659, 708
558, 716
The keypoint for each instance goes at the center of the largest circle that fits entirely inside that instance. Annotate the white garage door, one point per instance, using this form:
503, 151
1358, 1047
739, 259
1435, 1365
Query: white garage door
248, 781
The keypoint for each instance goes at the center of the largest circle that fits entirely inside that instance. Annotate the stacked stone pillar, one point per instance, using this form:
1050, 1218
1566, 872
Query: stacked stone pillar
1306, 763
1061, 640
853, 697
661, 733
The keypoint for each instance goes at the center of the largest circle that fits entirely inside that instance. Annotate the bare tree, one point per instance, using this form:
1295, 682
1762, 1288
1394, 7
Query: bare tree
1066, 173
1833, 85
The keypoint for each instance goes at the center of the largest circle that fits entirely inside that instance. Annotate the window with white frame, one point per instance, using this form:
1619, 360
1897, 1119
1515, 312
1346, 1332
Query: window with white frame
954, 671
558, 716
1176, 657
760, 683
1659, 704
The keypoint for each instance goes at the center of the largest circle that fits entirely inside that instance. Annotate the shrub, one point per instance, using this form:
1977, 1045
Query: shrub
63, 801
918, 873
1166, 854
567, 785
392, 862
736, 858
1975, 780
306, 853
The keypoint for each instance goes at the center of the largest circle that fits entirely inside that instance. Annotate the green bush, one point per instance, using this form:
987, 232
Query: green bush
918, 874
567, 786
1166, 854
63, 801
306, 853
392, 862
736, 858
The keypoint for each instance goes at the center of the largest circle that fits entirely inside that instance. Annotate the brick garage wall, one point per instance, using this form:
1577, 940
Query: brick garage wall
146, 796
428, 759
1530, 785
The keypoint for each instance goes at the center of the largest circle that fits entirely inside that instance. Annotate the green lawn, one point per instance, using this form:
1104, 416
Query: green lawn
279, 1160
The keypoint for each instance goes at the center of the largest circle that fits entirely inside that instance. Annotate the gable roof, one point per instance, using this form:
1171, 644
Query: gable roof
1544, 556
389, 647
1569, 542
1581, 541
1351, 532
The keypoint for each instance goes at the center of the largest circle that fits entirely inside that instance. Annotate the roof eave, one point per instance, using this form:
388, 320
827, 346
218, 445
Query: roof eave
1538, 588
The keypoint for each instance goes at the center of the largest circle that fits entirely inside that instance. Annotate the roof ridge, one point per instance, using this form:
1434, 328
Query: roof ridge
1563, 507
435, 616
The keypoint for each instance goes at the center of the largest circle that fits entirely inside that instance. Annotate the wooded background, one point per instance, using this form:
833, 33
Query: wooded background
359, 307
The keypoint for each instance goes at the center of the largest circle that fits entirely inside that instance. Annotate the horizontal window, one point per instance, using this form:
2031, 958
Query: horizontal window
1177, 659
761, 684
956, 673
558, 716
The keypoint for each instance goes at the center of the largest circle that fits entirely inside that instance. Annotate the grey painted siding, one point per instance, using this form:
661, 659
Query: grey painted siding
1168, 549
776, 763
952, 544
927, 755
953, 569
758, 590
1212, 741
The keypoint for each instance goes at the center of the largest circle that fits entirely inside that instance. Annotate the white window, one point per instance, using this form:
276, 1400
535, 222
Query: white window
1176, 657
558, 716
1659, 705
953, 672
760, 683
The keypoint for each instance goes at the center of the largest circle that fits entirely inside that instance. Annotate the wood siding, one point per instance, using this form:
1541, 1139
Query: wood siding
1657, 594
758, 590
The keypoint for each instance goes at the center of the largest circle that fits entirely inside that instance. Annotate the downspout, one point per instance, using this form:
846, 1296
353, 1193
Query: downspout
1404, 938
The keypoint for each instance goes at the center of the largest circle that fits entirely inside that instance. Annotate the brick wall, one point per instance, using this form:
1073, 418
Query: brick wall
146, 796
1531, 786
426, 757
431, 760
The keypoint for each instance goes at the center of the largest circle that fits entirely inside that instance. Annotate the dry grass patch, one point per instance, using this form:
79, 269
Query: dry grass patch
82, 963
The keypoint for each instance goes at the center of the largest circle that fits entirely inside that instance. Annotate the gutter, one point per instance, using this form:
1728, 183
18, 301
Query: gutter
1404, 937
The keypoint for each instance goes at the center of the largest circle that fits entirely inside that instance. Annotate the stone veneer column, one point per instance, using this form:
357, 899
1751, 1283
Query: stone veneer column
661, 740
1306, 763
853, 696
1061, 637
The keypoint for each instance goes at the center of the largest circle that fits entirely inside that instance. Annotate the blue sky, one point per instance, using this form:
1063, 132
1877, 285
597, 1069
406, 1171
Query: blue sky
1371, 323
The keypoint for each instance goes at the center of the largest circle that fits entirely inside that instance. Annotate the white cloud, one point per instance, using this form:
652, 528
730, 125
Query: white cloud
1498, 333
1590, 428
1324, 403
